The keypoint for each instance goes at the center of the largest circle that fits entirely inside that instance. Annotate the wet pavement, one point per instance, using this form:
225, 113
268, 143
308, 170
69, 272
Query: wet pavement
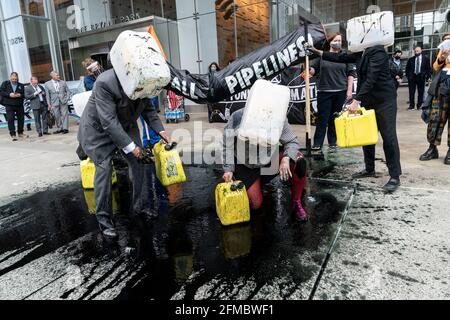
50, 246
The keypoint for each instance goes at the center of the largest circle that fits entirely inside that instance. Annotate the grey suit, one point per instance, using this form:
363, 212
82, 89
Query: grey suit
58, 101
109, 122
39, 107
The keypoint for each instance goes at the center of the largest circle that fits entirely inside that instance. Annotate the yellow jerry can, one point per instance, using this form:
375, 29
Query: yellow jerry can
169, 168
232, 203
356, 130
89, 196
87, 168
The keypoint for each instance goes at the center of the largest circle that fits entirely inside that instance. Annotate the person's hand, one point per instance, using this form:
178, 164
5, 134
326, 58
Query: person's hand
228, 177
137, 153
49, 107
354, 106
12, 95
349, 95
285, 169
164, 136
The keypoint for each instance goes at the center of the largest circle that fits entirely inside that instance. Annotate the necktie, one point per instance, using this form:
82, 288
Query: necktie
57, 86
417, 65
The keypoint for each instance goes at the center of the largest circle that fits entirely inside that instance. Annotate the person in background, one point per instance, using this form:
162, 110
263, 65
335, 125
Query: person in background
418, 71
292, 165
58, 96
440, 114
376, 90
213, 67
38, 103
334, 88
395, 65
89, 79
12, 92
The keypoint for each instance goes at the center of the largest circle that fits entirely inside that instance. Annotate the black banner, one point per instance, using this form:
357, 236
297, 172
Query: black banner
264, 63
292, 77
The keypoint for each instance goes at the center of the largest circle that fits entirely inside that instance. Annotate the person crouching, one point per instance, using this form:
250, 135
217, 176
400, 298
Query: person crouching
292, 165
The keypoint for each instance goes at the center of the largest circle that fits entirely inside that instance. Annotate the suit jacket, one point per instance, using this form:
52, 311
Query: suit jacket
375, 84
35, 102
57, 98
425, 67
109, 120
6, 89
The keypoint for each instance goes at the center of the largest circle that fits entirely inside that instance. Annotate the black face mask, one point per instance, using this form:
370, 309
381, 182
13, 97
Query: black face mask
418, 54
397, 58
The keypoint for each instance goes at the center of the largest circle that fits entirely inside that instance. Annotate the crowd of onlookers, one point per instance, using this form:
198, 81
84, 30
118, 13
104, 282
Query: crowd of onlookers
48, 102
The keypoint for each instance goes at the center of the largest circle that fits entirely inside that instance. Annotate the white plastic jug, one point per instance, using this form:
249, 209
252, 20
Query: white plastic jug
370, 30
139, 65
80, 101
265, 113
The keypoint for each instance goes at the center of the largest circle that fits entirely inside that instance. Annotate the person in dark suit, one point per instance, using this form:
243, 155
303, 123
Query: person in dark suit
376, 90
418, 71
12, 92
395, 65
38, 103
108, 123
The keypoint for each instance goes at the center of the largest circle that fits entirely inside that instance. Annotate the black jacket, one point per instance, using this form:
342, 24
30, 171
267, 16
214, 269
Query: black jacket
6, 89
425, 68
375, 84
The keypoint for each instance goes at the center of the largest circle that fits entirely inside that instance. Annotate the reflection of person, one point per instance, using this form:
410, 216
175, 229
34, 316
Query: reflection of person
418, 71
110, 122
12, 92
440, 114
376, 90
58, 96
334, 88
395, 65
292, 165
38, 103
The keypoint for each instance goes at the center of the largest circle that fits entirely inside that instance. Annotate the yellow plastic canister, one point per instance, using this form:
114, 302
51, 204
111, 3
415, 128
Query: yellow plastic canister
232, 204
87, 168
169, 168
356, 130
89, 196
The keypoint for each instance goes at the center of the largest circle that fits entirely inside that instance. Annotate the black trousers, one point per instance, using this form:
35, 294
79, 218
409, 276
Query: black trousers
386, 114
11, 113
328, 103
416, 82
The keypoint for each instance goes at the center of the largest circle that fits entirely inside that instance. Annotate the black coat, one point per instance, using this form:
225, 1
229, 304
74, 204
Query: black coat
425, 68
6, 89
375, 84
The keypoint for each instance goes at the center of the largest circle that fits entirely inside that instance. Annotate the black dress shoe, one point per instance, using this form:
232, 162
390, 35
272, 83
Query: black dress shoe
110, 233
447, 158
410, 108
47, 134
40, 135
65, 131
431, 153
57, 132
392, 185
364, 174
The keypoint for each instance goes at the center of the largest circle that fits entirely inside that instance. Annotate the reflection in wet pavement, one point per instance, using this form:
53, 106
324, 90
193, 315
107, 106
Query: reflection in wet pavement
50, 241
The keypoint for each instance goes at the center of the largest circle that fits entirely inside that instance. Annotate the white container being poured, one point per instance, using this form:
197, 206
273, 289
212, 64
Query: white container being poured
139, 65
265, 113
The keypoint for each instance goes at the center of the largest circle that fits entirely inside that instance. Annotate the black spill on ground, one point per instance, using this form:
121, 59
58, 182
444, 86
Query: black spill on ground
186, 239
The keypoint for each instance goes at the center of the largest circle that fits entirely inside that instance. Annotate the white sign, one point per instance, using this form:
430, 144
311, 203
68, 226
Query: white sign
18, 48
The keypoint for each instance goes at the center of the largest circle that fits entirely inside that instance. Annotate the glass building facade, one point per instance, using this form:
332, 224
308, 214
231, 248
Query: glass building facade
40, 35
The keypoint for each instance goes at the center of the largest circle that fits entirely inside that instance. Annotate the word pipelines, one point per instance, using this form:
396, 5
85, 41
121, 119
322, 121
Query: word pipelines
268, 66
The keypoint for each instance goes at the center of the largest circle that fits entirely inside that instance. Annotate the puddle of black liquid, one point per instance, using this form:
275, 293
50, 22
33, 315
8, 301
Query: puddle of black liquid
187, 236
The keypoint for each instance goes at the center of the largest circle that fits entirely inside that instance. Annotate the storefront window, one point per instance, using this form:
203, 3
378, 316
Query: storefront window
32, 7
3, 64
38, 47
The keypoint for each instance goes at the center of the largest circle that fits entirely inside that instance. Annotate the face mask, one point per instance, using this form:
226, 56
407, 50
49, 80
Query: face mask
418, 54
336, 46
397, 58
